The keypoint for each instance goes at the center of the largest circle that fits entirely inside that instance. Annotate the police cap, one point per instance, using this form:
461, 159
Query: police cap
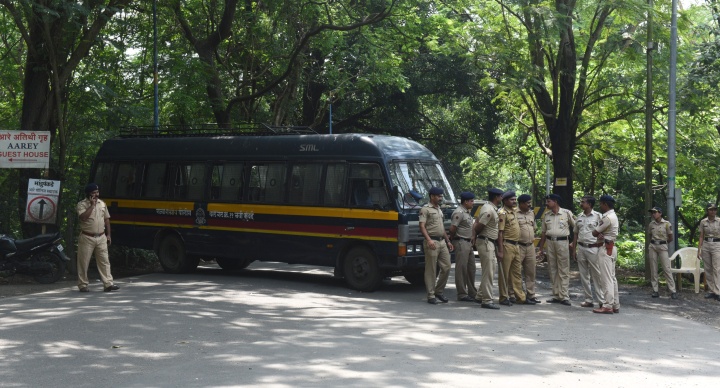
524, 198
607, 198
436, 191
554, 197
466, 196
508, 194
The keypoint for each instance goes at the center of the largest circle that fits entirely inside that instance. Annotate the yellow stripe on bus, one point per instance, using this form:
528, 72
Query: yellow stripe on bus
266, 231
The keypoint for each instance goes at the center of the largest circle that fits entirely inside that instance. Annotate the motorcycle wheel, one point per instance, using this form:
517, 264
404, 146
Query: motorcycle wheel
57, 269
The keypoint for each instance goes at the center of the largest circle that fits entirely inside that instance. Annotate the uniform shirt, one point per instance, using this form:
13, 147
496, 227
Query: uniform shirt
488, 216
463, 221
508, 223
659, 231
710, 228
558, 224
584, 226
433, 218
95, 224
526, 221
609, 225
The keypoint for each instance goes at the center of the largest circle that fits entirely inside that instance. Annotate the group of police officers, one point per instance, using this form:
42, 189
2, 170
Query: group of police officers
503, 235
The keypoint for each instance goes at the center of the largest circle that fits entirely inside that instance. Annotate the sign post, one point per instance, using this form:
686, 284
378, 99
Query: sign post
42, 201
25, 149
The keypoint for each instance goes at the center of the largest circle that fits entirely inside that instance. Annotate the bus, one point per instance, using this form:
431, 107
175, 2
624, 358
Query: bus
347, 201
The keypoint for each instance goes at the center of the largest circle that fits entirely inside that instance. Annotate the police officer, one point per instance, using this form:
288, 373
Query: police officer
607, 256
661, 235
526, 243
585, 248
95, 236
556, 226
508, 252
461, 232
486, 234
436, 245
709, 250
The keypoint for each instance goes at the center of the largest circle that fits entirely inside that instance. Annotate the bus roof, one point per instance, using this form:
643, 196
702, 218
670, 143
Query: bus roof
337, 146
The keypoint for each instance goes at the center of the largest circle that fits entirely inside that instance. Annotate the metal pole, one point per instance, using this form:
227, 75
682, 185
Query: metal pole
331, 118
156, 108
671, 122
648, 130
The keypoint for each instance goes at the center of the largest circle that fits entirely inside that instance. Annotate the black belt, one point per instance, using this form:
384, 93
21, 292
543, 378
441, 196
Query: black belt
609, 242
524, 244
92, 234
563, 238
462, 238
590, 245
486, 238
658, 242
513, 242
712, 239
437, 238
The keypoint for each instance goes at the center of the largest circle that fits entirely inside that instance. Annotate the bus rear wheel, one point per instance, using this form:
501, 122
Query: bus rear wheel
361, 270
173, 257
233, 264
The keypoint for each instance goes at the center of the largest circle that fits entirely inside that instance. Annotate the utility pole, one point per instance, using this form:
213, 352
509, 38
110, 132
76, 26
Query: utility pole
671, 125
648, 131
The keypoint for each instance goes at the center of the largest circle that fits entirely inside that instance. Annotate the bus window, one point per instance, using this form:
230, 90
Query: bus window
125, 181
305, 184
227, 182
335, 184
103, 177
267, 182
196, 182
155, 180
367, 187
419, 178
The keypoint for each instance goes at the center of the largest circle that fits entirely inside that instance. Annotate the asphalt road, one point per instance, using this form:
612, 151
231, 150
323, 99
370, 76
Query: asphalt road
295, 326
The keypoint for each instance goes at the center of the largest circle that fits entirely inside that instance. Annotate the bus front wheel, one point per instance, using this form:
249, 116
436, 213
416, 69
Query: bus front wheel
173, 257
361, 270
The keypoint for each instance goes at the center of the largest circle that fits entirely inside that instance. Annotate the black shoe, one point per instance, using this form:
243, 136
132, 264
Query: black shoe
84, 289
554, 300
513, 300
655, 294
506, 302
566, 302
111, 288
673, 295
432, 301
534, 299
530, 301
710, 295
441, 298
717, 298
490, 306
467, 298
478, 301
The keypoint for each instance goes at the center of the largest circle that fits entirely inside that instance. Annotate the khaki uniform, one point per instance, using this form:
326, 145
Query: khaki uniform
658, 251
92, 239
586, 253
527, 249
607, 284
511, 264
438, 257
485, 244
709, 248
464, 254
556, 227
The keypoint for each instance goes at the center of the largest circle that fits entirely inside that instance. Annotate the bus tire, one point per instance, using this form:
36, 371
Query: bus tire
232, 264
361, 270
173, 257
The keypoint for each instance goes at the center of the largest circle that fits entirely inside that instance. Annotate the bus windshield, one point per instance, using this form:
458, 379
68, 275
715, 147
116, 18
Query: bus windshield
414, 177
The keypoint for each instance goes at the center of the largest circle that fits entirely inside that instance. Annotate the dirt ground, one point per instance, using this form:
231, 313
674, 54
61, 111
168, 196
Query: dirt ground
689, 305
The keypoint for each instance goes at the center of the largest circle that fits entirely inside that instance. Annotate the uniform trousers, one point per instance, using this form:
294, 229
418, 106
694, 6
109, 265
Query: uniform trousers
659, 252
87, 245
436, 258
528, 258
488, 264
558, 254
710, 255
608, 286
512, 270
464, 269
584, 256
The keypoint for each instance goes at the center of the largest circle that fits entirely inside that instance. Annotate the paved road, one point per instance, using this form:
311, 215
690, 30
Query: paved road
273, 328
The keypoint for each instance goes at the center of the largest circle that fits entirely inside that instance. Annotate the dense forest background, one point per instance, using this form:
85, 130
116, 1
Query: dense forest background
502, 91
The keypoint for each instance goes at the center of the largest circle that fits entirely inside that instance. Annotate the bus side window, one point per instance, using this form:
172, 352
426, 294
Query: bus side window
125, 182
305, 184
196, 182
267, 183
103, 178
155, 180
366, 182
335, 184
227, 182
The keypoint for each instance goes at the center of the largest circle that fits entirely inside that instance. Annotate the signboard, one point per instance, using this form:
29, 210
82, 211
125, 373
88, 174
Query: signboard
42, 201
560, 181
24, 149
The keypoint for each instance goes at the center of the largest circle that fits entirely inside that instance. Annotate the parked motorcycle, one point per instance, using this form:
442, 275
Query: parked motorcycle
41, 257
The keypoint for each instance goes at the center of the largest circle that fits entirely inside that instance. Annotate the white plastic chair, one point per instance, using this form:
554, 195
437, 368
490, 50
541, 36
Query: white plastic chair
689, 263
